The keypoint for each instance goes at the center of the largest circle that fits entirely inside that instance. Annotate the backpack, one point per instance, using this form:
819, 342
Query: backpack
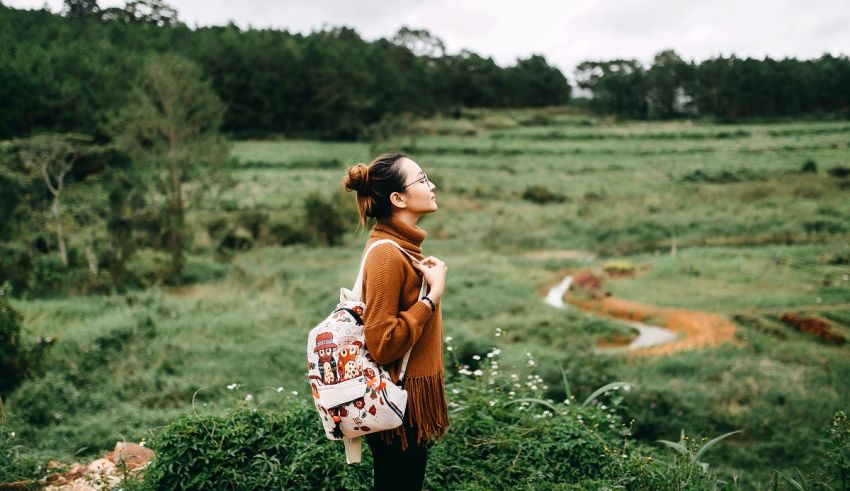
352, 393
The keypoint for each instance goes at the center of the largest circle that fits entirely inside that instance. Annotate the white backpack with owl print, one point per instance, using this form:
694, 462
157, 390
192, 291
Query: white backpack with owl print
353, 394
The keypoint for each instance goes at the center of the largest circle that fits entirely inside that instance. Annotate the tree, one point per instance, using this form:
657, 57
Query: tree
533, 83
54, 158
170, 127
155, 12
618, 86
420, 42
81, 9
670, 86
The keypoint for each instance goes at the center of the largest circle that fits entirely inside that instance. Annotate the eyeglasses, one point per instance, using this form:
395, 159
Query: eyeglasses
423, 178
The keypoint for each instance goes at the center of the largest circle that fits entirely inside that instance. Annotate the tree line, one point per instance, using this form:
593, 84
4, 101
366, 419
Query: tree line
725, 88
67, 71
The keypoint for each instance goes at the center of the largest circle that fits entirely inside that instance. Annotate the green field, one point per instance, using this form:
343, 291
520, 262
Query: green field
755, 237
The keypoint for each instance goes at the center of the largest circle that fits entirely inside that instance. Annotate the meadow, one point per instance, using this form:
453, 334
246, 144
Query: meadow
750, 221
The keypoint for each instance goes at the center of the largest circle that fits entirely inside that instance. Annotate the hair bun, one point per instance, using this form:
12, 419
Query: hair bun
358, 178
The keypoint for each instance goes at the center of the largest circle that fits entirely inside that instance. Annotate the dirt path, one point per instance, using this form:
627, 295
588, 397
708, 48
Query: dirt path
696, 329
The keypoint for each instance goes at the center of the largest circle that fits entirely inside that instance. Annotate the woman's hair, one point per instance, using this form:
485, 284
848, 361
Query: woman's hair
374, 185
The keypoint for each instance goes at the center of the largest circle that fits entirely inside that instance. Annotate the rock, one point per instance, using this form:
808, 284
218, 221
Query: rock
133, 455
102, 467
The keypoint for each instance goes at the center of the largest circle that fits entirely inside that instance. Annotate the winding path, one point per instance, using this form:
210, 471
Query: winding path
686, 329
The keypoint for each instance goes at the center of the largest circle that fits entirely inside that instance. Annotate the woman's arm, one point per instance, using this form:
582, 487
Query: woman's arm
389, 332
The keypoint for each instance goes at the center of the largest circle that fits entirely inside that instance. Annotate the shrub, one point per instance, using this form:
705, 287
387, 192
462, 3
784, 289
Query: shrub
285, 233
148, 267
256, 222
11, 362
323, 220
79, 371
839, 172
503, 435
838, 461
15, 464
721, 177
809, 166
542, 195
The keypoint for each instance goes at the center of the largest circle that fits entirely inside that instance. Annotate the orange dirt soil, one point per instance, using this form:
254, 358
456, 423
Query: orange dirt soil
696, 329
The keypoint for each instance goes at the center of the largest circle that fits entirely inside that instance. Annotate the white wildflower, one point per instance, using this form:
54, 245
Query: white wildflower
232, 386
478, 373
476, 357
279, 389
449, 339
249, 398
295, 392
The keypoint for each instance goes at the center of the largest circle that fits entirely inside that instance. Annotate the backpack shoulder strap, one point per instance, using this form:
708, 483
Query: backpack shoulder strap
358, 288
358, 283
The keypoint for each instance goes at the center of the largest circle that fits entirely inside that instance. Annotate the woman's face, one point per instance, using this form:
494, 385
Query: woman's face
419, 195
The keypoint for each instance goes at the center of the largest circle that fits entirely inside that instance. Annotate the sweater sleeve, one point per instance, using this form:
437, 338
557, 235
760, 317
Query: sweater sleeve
389, 332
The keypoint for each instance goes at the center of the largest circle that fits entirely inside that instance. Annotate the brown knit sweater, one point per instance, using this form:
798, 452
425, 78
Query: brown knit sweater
395, 320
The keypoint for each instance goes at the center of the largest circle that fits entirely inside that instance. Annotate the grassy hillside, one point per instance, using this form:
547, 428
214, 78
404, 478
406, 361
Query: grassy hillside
759, 215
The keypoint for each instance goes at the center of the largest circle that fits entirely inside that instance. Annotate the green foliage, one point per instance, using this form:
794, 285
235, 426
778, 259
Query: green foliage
330, 84
501, 433
11, 362
727, 88
809, 166
839, 172
250, 449
542, 195
242, 317
170, 127
838, 453
15, 464
323, 219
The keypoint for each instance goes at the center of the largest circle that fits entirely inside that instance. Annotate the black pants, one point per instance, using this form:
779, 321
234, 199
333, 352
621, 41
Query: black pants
396, 469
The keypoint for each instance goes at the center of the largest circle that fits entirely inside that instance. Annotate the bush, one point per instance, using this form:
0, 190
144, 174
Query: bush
839, 172
809, 167
285, 233
11, 362
323, 220
78, 371
148, 267
503, 435
15, 465
838, 454
541, 195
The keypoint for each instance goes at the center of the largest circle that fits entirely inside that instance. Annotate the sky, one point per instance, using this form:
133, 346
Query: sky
566, 32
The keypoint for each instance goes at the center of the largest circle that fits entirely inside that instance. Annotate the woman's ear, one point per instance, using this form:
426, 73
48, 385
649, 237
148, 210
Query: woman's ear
397, 200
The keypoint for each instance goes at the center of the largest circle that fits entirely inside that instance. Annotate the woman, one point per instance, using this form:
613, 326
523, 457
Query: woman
395, 192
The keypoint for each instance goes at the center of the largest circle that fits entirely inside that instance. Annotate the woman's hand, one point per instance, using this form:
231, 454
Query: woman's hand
434, 272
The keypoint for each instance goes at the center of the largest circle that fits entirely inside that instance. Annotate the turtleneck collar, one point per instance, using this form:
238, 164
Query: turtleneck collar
409, 237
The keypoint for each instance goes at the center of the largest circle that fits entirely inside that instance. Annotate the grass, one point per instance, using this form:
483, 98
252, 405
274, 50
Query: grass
760, 244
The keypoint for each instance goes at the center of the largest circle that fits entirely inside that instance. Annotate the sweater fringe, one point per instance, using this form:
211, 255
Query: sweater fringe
426, 408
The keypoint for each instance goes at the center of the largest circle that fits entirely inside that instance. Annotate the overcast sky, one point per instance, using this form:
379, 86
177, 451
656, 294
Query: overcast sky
566, 32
